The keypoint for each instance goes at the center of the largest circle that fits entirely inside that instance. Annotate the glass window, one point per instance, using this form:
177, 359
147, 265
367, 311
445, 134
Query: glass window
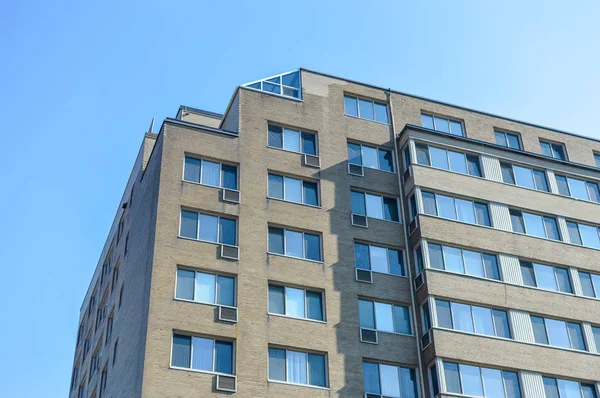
422, 154
313, 247
563, 280
474, 166
205, 287
402, 320
490, 263
436, 259
546, 148
492, 382
277, 364
539, 330
534, 225
316, 370
276, 299
513, 141
465, 211
557, 333
396, 262
182, 348
365, 109
185, 284
439, 158
292, 189
371, 378
427, 121
471, 380
473, 263
358, 203
578, 189
594, 191
366, 314
384, 317
443, 313
354, 154
507, 173
563, 185
189, 224
528, 273
350, 106
596, 333
361, 256
500, 138
523, 176
576, 336
276, 240
441, 124
275, 186
445, 205
291, 140
208, 227
573, 229
310, 191
224, 357
370, 157
386, 160
390, 207
501, 323
458, 162
484, 323
275, 136
296, 367
558, 152
541, 183
314, 305
227, 231
550, 387
211, 173
569, 389
294, 302
588, 391
597, 159
544, 276
589, 236
293, 243
381, 114
456, 128
374, 206
226, 291
452, 378
429, 206
191, 171
461, 317
229, 176
309, 143
586, 284
390, 385
453, 259
482, 215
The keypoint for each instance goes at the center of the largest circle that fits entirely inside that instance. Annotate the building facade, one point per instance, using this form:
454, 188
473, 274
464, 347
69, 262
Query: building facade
329, 238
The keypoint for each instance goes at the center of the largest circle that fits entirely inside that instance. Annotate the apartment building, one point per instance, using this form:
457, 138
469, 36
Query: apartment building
329, 238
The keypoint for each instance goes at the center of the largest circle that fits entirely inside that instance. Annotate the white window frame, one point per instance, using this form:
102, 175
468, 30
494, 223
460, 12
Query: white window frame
398, 367
301, 145
281, 85
568, 334
387, 249
326, 370
473, 320
303, 244
551, 143
302, 181
506, 134
216, 275
305, 318
446, 150
587, 189
535, 277
197, 238
377, 148
531, 169
437, 209
560, 237
556, 379
202, 160
463, 262
214, 350
410, 320
364, 193
373, 102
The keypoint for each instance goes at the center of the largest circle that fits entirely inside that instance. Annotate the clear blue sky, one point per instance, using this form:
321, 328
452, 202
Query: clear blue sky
80, 81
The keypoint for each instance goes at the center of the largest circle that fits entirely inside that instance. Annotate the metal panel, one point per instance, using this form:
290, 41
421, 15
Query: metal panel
413, 151
425, 252
532, 384
589, 338
511, 269
432, 312
564, 232
574, 274
521, 326
419, 199
552, 181
500, 216
491, 168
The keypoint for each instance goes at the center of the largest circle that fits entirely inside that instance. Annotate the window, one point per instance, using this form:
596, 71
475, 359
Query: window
371, 157
471, 380
101, 312
109, 326
126, 244
590, 285
131, 195
596, 333
115, 351
205, 288
389, 380
293, 190
508, 140
204, 354
121, 295
292, 140
115, 277
473, 319
375, 206
456, 209
379, 259
448, 160
546, 277
553, 150
292, 243
74, 375
105, 267
295, 302
81, 390
121, 227
214, 174
524, 177
87, 344
597, 159
413, 207
462, 261
297, 367
582, 234
384, 317
534, 225
365, 109
287, 85
442, 124
80, 330
558, 333
578, 189
559, 388
95, 362
103, 380
208, 228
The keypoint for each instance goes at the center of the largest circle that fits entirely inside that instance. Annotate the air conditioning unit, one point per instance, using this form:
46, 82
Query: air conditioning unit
368, 336
228, 314
359, 220
356, 170
231, 195
312, 161
419, 279
412, 227
230, 252
226, 383
406, 175
364, 275
426, 340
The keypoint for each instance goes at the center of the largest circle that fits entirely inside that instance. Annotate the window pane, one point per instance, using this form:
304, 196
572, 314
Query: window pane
558, 151
275, 240
383, 317
586, 284
439, 158
291, 79
296, 367
227, 231
446, 207
490, 263
185, 284
366, 314
354, 156
390, 207
557, 333
513, 141
292, 189
507, 173
276, 364
390, 384
441, 124
311, 196
371, 378
381, 114
314, 305
294, 302
191, 171
422, 154
429, 203
576, 335
436, 260
229, 176
309, 143
596, 333
275, 186
313, 247
471, 380
293, 243
500, 138
316, 370
453, 259
224, 357
523, 176
551, 228
465, 211
276, 299
408, 381
374, 206
456, 128
544, 275
452, 377
211, 173
492, 382
578, 189
202, 353
350, 106
569, 389
550, 387
574, 233
386, 160
511, 382
365, 109
226, 291
370, 157
501, 323
473, 165
596, 282
563, 280
589, 236
563, 186
361, 256
208, 227
205, 288
546, 149
396, 262
482, 214
189, 224
461, 317
458, 162
473, 263
593, 191
541, 183
358, 203
427, 121
402, 319
443, 313
528, 273
588, 391
483, 321
181, 351
291, 140
534, 225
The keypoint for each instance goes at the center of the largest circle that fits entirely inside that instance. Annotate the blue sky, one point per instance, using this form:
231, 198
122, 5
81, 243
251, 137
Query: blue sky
80, 81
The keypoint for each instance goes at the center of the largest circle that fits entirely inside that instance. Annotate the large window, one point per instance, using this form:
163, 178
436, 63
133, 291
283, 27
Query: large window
208, 228
204, 354
472, 319
546, 277
596, 333
553, 150
534, 225
559, 388
205, 288
214, 174
287, 85
463, 210
481, 382
297, 367
448, 160
578, 189
590, 285
375, 206
292, 243
524, 177
295, 302
379, 259
508, 140
558, 333
371, 157
292, 140
582, 234
442, 124
462, 261
384, 317
365, 109
597, 159
389, 380
293, 190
